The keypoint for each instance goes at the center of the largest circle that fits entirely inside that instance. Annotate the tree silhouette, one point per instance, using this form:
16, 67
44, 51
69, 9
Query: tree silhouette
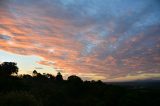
35, 73
8, 68
26, 76
38, 75
59, 77
50, 76
74, 79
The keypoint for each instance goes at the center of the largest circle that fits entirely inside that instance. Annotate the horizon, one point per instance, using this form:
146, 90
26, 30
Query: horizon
95, 40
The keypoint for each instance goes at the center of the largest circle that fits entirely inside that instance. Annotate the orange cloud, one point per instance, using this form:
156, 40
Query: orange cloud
77, 44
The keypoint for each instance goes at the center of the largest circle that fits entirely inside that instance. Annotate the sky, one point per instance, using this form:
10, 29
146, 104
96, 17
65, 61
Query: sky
109, 40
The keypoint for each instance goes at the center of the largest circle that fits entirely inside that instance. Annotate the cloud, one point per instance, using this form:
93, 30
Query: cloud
4, 37
105, 40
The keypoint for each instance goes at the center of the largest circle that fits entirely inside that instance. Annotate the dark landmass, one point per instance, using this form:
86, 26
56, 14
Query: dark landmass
48, 90
149, 83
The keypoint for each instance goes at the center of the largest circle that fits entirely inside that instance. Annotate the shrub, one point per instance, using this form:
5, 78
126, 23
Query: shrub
18, 98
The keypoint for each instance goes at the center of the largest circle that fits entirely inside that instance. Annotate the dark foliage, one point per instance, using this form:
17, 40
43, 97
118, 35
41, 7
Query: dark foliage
74, 79
59, 77
47, 90
8, 68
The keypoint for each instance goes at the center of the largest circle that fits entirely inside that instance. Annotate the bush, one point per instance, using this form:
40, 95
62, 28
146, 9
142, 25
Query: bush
18, 99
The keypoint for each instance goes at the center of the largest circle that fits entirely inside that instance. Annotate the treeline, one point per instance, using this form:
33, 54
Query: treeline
49, 90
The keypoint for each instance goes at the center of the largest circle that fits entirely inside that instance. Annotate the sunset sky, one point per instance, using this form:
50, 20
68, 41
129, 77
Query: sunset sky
110, 40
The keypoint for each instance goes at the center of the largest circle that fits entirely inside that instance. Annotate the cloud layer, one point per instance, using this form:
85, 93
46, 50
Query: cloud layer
95, 39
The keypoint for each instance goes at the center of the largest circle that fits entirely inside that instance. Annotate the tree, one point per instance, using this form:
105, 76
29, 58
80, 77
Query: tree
38, 75
35, 73
50, 76
8, 68
26, 76
59, 77
74, 79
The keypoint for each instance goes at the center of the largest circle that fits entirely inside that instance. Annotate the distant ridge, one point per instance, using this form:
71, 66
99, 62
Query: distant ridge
146, 83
